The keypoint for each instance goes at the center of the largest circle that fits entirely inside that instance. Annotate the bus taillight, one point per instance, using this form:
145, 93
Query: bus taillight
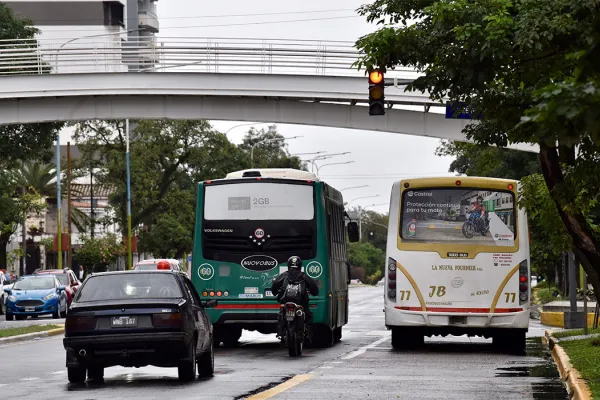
391, 292
523, 282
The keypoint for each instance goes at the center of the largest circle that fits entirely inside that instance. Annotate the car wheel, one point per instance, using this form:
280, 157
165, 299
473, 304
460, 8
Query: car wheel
187, 368
55, 315
9, 317
206, 363
76, 374
95, 373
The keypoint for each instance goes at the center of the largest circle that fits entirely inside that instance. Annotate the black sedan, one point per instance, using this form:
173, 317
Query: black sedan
134, 319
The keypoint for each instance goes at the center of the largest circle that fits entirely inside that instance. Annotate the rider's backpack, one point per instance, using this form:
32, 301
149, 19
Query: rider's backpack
294, 291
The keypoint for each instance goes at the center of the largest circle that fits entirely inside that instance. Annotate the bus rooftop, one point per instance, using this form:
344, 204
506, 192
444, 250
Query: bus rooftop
283, 173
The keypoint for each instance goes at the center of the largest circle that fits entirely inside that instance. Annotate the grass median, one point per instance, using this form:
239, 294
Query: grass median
584, 355
574, 332
8, 332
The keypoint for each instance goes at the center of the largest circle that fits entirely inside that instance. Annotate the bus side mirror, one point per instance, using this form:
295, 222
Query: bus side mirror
353, 233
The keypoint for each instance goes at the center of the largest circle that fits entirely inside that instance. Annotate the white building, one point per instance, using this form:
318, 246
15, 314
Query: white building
93, 35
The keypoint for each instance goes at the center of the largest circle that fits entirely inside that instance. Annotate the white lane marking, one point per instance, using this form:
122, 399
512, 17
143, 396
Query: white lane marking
335, 362
326, 367
364, 349
3, 384
29, 379
58, 372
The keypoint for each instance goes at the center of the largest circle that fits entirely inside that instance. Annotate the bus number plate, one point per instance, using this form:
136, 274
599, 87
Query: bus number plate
458, 255
456, 320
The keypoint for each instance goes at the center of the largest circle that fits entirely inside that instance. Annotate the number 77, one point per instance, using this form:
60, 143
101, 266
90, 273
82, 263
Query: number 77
509, 296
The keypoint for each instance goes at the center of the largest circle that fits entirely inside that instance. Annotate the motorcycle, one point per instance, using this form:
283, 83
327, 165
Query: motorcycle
292, 327
474, 225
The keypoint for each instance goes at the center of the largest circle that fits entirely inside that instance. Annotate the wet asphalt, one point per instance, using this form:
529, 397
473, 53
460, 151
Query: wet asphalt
363, 365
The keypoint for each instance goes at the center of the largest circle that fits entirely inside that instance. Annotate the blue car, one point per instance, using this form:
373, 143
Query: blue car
35, 295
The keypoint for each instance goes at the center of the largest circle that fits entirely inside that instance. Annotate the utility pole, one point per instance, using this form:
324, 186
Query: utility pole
69, 220
58, 206
92, 219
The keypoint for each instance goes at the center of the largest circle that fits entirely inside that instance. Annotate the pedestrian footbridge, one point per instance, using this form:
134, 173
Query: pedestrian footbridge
286, 82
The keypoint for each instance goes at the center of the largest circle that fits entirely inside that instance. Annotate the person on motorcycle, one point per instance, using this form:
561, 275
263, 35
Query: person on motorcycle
294, 274
479, 208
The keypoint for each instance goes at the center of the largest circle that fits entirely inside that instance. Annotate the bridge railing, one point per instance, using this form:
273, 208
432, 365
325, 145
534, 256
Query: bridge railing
173, 54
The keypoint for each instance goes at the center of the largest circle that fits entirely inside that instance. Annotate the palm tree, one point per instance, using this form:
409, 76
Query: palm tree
41, 179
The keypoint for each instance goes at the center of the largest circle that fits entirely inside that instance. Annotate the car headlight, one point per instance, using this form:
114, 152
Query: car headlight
12, 298
50, 296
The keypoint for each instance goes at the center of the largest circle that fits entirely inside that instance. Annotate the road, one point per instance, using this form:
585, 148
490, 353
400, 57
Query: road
362, 366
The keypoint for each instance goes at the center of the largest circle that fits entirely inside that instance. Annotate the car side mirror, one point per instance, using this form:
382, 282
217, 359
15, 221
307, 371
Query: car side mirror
210, 304
353, 232
7, 290
61, 288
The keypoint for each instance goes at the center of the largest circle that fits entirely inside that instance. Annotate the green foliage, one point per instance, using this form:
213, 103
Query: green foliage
367, 256
168, 159
529, 68
98, 253
269, 150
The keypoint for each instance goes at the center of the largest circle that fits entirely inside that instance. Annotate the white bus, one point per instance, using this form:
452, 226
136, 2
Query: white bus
455, 277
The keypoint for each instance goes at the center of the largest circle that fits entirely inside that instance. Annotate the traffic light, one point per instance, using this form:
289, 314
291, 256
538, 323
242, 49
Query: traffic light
376, 94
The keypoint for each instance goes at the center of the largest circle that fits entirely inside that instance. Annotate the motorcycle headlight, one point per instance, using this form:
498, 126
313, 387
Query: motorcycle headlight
50, 296
12, 298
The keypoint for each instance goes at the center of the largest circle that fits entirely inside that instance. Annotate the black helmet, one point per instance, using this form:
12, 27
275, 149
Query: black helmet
294, 262
480, 198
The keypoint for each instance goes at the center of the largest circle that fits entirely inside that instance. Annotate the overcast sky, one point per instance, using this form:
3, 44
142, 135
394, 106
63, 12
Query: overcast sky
379, 158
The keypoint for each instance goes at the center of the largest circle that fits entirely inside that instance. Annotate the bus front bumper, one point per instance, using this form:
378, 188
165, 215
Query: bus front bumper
458, 320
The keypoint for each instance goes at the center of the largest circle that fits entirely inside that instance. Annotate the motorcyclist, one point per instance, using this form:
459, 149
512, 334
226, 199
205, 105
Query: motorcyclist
294, 274
479, 209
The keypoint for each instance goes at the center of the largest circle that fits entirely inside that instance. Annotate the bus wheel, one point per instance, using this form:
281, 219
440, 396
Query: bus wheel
337, 334
231, 337
512, 342
407, 339
323, 336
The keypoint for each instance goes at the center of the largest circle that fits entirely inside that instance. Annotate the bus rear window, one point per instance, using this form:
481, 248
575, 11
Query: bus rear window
462, 216
258, 201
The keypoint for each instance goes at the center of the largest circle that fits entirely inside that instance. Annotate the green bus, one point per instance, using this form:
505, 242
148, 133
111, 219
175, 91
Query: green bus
247, 226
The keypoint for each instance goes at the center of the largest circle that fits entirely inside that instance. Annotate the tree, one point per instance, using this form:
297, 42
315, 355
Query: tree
98, 253
367, 256
268, 151
528, 68
22, 141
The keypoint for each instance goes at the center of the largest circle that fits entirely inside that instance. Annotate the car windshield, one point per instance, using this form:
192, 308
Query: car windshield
130, 286
35, 283
63, 279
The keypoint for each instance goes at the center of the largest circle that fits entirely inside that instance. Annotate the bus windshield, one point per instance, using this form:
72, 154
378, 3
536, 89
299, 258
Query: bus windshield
439, 216
258, 201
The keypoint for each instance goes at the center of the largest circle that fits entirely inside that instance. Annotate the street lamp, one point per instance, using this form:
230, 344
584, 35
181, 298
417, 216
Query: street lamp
237, 126
266, 141
375, 205
354, 187
365, 197
324, 157
337, 163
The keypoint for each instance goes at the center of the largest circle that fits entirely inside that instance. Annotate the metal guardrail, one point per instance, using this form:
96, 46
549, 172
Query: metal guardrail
172, 54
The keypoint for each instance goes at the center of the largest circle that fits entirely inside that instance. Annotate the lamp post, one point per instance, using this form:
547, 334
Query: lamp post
267, 141
237, 126
354, 187
337, 163
128, 167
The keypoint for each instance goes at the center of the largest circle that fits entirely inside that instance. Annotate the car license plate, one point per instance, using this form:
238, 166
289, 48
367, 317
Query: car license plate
123, 322
29, 309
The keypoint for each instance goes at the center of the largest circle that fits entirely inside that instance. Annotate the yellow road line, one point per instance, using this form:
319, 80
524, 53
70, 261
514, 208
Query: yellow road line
432, 226
267, 394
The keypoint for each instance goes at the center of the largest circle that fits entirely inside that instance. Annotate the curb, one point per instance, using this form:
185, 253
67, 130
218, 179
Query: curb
557, 318
576, 386
32, 336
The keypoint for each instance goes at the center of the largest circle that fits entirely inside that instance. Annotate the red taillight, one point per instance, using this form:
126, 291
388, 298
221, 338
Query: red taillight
523, 279
219, 293
212, 293
166, 319
392, 275
392, 285
510, 186
290, 307
523, 287
458, 183
75, 324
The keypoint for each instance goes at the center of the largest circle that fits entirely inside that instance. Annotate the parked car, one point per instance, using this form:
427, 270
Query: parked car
157, 264
135, 319
35, 295
7, 283
66, 277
